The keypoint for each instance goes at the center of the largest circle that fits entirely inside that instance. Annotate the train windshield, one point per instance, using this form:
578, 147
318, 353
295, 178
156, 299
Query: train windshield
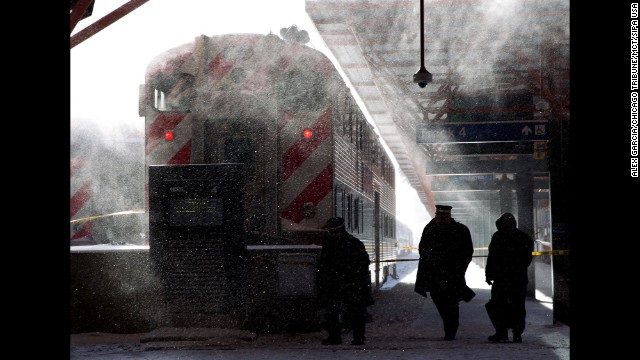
172, 92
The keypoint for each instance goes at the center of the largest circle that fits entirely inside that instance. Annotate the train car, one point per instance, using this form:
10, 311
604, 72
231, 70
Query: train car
106, 185
282, 110
542, 228
404, 238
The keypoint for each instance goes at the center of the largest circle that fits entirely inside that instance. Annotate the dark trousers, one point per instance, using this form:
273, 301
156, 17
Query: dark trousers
449, 311
353, 316
506, 309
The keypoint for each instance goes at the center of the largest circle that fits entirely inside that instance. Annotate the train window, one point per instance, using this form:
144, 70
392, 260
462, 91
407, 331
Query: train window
384, 225
172, 92
356, 128
348, 120
353, 129
356, 214
374, 152
342, 207
363, 178
339, 202
386, 169
343, 124
349, 212
365, 141
345, 117
361, 222
370, 142
361, 124
387, 226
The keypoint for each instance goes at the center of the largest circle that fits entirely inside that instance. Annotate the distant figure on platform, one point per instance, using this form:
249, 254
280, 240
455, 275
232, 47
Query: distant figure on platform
510, 253
344, 282
445, 250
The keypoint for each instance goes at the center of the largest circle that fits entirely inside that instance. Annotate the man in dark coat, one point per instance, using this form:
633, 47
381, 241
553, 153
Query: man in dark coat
510, 253
445, 250
344, 282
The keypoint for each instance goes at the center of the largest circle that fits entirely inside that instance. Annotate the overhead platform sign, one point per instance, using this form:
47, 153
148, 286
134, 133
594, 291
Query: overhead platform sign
468, 132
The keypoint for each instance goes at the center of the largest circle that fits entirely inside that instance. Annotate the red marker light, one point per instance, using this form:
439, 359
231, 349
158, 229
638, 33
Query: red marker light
168, 136
307, 134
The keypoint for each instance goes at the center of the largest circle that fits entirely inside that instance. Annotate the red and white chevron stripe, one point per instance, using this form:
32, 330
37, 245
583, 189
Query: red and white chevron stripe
177, 150
307, 169
306, 163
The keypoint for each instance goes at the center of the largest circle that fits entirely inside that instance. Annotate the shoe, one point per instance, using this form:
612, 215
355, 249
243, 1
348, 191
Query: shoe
331, 341
450, 335
517, 338
357, 342
498, 338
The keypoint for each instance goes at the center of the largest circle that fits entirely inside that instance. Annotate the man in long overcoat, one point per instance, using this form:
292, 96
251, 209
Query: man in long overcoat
510, 253
344, 282
445, 250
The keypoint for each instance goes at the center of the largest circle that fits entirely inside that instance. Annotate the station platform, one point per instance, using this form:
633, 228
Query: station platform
405, 325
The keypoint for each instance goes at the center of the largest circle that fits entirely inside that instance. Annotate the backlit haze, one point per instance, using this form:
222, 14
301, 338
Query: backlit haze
108, 68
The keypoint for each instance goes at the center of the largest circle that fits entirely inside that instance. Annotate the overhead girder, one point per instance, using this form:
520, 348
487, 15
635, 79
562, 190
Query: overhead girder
543, 88
79, 10
454, 186
458, 167
100, 24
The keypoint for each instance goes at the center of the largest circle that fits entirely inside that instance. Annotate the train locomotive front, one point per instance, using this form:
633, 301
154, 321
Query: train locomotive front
282, 113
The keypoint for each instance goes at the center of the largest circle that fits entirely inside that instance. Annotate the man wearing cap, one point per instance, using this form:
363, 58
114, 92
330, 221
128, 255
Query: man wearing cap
510, 253
445, 251
343, 282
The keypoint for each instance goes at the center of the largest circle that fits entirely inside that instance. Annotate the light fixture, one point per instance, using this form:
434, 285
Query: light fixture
422, 77
307, 133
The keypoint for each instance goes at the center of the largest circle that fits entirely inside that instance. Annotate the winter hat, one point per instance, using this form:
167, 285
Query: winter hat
335, 223
443, 209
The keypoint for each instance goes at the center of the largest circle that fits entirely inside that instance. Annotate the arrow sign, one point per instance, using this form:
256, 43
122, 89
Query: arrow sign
482, 132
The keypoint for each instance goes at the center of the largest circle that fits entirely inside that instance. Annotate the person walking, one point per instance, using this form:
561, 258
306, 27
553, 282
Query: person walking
344, 282
510, 254
445, 251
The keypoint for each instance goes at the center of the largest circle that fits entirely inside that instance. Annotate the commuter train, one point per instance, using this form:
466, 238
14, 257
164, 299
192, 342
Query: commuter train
106, 185
282, 111
404, 237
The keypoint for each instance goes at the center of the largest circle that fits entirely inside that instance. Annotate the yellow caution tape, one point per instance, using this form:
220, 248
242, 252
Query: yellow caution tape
399, 260
107, 215
139, 211
534, 253
551, 252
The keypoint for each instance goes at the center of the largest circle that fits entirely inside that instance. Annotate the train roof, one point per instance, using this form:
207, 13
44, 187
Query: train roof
164, 60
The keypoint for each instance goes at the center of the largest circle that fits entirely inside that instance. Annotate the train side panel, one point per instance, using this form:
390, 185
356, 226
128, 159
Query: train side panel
364, 186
